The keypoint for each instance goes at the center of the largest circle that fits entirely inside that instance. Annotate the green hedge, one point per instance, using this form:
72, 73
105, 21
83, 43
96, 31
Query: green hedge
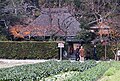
28, 50
3, 38
100, 51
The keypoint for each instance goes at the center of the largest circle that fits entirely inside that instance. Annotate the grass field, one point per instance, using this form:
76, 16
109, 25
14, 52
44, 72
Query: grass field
112, 74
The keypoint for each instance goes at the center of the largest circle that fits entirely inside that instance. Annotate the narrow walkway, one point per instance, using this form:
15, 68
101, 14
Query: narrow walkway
5, 63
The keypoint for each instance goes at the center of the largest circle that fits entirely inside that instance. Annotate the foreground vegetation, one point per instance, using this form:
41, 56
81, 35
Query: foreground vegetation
113, 73
35, 72
28, 50
63, 71
92, 74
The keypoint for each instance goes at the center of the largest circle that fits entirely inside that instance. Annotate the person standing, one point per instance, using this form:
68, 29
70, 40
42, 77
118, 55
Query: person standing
95, 53
82, 52
77, 58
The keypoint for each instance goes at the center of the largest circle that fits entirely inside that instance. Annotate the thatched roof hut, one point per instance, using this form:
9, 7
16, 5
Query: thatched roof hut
53, 21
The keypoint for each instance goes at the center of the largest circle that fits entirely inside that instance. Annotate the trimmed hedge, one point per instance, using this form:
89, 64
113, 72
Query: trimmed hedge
28, 50
3, 38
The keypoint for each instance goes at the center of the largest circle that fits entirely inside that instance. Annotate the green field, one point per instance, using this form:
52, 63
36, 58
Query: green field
63, 71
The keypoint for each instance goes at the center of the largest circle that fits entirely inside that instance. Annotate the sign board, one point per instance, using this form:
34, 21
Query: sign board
61, 45
104, 42
118, 52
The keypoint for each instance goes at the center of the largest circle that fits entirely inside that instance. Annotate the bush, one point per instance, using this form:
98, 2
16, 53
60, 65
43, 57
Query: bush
3, 38
3, 35
100, 51
28, 50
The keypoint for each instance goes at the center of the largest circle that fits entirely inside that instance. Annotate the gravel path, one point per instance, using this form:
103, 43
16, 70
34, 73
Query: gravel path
5, 63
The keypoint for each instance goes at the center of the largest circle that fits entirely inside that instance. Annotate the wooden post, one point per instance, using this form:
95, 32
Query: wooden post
60, 53
61, 45
60, 3
105, 50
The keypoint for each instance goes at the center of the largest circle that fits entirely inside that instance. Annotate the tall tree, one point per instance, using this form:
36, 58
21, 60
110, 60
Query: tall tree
90, 12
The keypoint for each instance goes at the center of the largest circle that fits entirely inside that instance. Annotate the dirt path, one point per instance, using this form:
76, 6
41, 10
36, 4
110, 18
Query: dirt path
5, 63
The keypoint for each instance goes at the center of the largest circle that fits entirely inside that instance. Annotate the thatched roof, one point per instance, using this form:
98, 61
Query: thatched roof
56, 21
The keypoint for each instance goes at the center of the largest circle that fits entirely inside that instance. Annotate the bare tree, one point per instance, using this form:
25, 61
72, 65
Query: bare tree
99, 11
96, 10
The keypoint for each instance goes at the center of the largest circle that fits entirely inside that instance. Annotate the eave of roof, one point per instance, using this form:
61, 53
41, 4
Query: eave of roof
41, 26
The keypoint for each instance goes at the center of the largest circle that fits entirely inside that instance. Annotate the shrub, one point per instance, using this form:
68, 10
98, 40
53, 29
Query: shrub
28, 50
100, 51
3, 38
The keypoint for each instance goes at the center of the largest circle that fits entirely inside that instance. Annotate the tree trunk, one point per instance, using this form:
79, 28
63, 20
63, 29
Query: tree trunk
14, 7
